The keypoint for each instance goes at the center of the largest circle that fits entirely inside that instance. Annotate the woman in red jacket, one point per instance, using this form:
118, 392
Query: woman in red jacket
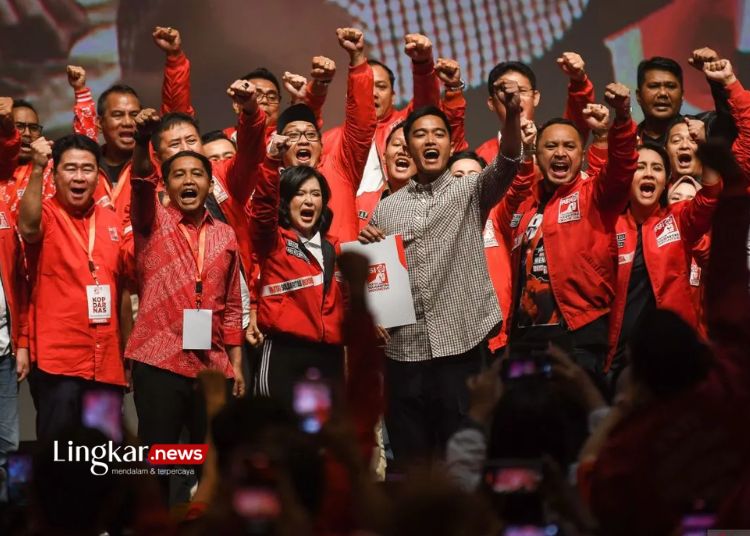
654, 245
300, 304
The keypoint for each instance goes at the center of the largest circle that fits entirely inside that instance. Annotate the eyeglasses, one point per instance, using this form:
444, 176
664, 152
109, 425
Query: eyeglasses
524, 92
34, 128
310, 135
270, 97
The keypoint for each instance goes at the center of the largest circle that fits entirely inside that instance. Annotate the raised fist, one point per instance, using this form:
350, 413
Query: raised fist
572, 65
41, 151
618, 97
720, 71
597, 118
696, 129
242, 92
277, 146
353, 41
449, 72
703, 55
509, 95
295, 85
168, 39
323, 69
528, 135
146, 123
418, 47
76, 77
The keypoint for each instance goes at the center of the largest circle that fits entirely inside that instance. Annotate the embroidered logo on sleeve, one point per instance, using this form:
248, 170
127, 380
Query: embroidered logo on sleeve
488, 235
620, 240
666, 231
377, 278
4, 221
625, 258
113, 235
515, 220
570, 209
695, 275
292, 248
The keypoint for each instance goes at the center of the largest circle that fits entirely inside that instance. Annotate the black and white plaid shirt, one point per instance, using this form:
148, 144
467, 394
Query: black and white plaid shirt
441, 224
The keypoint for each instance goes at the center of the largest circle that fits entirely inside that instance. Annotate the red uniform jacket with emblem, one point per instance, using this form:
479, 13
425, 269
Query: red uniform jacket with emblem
669, 236
297, 296
579, 227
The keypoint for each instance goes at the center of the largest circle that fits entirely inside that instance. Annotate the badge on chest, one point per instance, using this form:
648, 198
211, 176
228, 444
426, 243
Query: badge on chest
99, 299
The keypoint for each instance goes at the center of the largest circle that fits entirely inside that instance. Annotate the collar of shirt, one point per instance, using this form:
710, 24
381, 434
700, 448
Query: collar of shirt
88, 213
178, 217
314, 241
435, 186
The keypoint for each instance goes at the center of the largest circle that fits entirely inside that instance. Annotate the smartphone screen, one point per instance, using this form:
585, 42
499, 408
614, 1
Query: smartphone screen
513, 479
312, 403
527, 366
103, 410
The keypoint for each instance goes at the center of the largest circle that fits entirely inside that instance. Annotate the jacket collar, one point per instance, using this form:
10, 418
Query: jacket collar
178, 217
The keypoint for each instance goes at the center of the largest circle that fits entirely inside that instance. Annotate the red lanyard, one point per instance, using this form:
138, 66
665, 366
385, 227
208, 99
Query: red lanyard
199, 257
92, 238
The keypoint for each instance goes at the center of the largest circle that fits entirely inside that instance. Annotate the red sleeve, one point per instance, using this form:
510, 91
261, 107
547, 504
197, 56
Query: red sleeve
175, 89
23, 296
364, 388
696, 215
454, 106
84, 114
264, 210
315, 103
241, 170
9, 149
234, 335
579, 95
519, 189
596, 156
739, 106
613, 183
359, 126
426, 85
143, 201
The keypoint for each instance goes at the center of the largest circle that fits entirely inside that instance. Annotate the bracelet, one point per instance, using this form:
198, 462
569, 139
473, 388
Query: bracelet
517, 160
460, 87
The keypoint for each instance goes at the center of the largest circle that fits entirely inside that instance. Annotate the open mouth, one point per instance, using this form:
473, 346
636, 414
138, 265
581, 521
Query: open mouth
303, 155
402, 163
559, 169
78, 191
684, 159
307, 215
189, 194
662, 105
431, 155
648, 189
127, 136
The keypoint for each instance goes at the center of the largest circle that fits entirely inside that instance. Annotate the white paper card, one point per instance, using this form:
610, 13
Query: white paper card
388, 291
196, 329
99, 300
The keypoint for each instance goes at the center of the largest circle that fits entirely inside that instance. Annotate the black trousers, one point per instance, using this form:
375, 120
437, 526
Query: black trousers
166, 402
59, 401
426, 401
287, 360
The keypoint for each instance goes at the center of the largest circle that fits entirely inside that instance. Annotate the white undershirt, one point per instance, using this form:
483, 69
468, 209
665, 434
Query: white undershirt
4, 331
314, 247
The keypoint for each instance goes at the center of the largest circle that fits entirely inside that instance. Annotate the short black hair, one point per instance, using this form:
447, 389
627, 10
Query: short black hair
74, 141
397, 126
117, 88
658, 63
216, 135
388, 70
290, 182
559, 121
467, 155
422, 112
170, 120
167, 164
265, 74
503, 67
22, 103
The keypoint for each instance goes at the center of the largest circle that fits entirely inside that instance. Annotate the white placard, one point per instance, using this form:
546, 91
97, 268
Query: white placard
196, 329
388, 292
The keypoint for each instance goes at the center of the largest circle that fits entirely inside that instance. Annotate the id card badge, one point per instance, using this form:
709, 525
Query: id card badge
196, 329
99, 299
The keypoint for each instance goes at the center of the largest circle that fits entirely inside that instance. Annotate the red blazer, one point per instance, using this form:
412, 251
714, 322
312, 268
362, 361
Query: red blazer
668, 237
296, 295
579, 226
13, 277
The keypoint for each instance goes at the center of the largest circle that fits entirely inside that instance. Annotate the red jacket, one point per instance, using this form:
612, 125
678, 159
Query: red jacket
297, 296
13, 278
579, 95
497, 238
580, 248
346, 149
739, 106
668, 237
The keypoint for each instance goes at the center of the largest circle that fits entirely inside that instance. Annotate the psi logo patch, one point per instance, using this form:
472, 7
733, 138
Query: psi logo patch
570, 209
377, 278
620, 240
666, 231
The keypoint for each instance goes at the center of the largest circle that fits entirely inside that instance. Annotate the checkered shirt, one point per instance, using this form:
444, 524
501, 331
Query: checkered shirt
441, 224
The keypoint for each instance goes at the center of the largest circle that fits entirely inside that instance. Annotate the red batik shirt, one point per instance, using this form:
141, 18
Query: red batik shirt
166, 275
